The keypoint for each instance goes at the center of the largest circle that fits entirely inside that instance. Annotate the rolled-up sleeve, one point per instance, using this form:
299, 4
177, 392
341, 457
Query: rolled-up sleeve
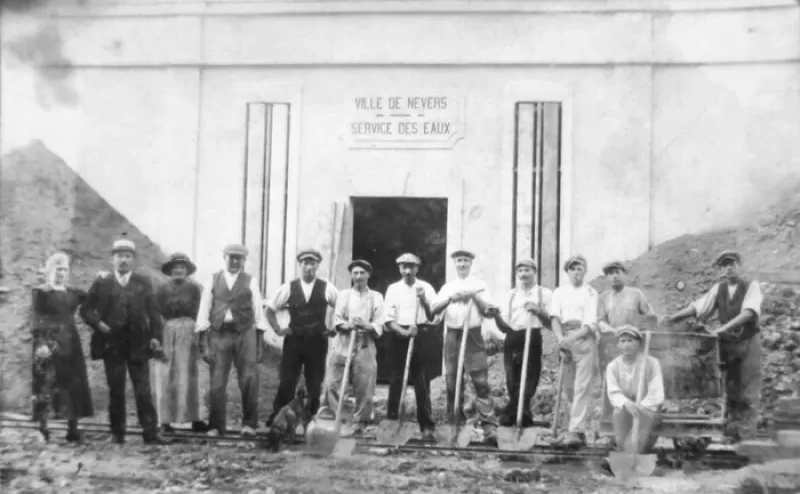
281, 298
331, 294
258, 306
378, 314
705, 305
204, 311
590, 313
391, 304
341, 310
753, 298
655, 386
555, 305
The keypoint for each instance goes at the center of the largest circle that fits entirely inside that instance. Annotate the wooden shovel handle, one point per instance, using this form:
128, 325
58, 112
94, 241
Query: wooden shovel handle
345, 377
410, 350
640, 392
524, 379
460, 372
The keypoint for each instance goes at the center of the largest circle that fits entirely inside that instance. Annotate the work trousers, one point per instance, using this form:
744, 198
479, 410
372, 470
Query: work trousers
418, 377
363, 376
306, 352
476, 366
742, 360
623, 427
230, 347
579, 372
116, 366
513, 350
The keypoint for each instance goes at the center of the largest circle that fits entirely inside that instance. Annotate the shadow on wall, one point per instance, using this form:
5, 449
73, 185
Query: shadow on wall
44, 207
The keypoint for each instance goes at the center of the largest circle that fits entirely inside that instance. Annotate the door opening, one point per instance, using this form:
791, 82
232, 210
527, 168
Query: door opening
386, 227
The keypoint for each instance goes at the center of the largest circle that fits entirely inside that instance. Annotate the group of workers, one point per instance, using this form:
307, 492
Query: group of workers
223, 322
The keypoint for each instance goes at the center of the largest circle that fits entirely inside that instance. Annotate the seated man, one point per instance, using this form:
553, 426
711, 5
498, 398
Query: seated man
622, 381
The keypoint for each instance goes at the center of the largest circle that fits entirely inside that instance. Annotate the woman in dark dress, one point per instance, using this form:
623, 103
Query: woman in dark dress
60, 383
179, 300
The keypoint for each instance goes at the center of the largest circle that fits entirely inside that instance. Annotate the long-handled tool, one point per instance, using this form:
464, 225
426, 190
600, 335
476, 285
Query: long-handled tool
627, 466
517, 438
396, 432
322, 437
557, 412
455, 433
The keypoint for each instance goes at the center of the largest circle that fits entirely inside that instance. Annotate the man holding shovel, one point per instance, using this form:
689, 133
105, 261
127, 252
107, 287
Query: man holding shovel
623, 377
305, 345
619, 306
464, 301
408, 311
737, 303
527, 306
359, 314
574, 318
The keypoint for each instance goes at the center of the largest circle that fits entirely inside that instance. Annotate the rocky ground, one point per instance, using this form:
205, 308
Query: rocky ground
45, 207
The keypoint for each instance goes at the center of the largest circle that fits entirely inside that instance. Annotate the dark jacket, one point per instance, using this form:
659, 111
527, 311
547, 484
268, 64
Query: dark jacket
131, 312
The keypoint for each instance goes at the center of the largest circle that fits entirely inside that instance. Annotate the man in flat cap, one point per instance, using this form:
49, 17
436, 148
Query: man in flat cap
737, 303
122, 310
574, 318
527, 305
359, 314
232, 320
464, 300
408, 311
305, 344
619, 306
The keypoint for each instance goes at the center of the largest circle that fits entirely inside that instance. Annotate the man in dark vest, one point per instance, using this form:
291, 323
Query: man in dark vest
737, 303
231, 322
305, 344
121, 309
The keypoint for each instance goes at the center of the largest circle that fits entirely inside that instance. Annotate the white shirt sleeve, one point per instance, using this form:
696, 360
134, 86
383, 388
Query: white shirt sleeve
555, 305
753, 298
331, 294
378, 315
616, 395
204, 311
281, 298
705, 305
339, 314
258, 307
391, 304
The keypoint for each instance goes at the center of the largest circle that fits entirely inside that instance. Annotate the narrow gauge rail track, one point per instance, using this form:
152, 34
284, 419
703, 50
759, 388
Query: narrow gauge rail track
716, 459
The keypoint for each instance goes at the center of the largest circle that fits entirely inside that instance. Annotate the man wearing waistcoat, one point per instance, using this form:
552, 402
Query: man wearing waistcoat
359, 314
121, 310
737, 303
231, 322
305, 344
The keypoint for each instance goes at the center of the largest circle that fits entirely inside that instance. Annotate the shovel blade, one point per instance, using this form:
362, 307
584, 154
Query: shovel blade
322, 436
627, 466
395, 432
454, 435
513, 439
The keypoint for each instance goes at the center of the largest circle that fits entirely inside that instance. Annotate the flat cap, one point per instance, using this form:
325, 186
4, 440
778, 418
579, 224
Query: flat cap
123, 245
235, 250
629, 330
309, 254
574, 260
408, 258
526, 262
614, 265
463, 253
360, 263
728, 255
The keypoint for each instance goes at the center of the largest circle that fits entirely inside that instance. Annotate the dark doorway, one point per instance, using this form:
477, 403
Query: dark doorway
386, 227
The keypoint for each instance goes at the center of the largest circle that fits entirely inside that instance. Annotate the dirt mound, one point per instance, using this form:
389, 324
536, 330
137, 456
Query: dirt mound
47, 207
679, 271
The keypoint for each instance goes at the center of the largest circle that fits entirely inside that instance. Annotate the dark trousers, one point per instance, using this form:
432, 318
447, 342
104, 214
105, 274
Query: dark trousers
139, 370
307, 352
418, 377
742, 361
513, 349
231, 347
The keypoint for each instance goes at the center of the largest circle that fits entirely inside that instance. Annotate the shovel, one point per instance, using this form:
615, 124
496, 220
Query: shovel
322, 437
517, 438
628, 466
395, 432
455, 434
557, 411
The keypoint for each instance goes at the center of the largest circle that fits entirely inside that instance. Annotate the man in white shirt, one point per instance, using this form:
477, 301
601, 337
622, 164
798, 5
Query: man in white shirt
574, 318
359, 314
526, 304
622, 384
464, 300
403, 298
305, 344
231, 322
737, 303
